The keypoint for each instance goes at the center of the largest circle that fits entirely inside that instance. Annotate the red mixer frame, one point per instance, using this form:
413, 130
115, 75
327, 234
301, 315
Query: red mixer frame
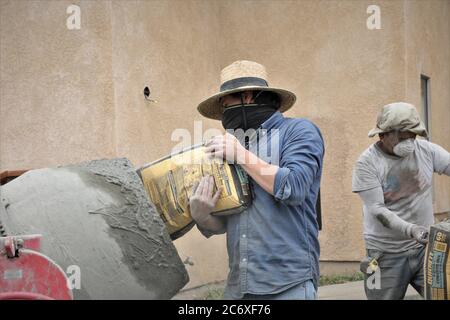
27, 274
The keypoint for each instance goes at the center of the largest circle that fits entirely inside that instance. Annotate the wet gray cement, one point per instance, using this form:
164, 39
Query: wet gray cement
97, 215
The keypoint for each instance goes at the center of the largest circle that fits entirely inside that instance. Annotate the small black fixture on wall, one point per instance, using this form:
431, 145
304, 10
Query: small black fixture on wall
147, 95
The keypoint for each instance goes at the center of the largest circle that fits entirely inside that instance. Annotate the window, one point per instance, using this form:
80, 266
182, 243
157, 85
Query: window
426, 115
425, 94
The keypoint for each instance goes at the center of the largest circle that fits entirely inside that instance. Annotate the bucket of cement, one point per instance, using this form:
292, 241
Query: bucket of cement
98, 224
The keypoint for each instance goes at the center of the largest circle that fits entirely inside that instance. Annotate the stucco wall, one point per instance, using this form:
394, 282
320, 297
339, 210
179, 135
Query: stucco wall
427, 34
56, 98
341, 72
74, 95
170, 46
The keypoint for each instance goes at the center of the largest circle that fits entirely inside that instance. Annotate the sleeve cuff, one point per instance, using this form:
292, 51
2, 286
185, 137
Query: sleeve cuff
280, 181
204, 232
368, 187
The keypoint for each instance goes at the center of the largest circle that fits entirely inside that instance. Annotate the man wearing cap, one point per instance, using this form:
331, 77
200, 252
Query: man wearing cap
273, 246
393, 177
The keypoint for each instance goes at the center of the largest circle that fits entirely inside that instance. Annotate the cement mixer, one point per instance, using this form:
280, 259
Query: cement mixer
104, 228
86, 231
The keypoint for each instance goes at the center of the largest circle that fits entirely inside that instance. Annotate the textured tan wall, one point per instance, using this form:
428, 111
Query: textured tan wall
68, 96
341, 72
428, 53
170, 46
56, 100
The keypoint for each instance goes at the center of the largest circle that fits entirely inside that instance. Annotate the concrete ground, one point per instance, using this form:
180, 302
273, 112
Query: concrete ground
346, 291
354, 291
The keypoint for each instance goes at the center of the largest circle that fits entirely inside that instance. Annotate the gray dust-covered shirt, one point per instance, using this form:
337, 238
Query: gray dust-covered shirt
406, 184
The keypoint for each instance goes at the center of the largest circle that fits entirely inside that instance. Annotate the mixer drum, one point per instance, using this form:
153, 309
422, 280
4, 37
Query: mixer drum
96, 218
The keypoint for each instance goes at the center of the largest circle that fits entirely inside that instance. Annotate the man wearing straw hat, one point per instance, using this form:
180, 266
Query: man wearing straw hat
273, 245
393, 177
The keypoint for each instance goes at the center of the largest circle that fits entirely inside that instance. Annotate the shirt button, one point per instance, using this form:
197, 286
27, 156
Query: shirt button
243, 260
243, 236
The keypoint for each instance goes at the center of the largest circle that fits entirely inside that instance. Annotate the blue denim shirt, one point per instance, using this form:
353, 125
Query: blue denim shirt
273, 245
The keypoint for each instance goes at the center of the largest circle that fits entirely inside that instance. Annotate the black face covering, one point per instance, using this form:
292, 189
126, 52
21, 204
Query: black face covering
249, 116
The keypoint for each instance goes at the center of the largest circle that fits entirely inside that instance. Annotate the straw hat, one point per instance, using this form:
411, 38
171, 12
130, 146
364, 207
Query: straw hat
242, 76
400, 116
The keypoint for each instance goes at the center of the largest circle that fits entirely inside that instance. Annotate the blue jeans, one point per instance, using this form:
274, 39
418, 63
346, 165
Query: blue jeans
398, 270
302, 291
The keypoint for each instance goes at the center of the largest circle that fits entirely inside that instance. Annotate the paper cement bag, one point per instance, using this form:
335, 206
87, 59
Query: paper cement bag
437, 262
169, 182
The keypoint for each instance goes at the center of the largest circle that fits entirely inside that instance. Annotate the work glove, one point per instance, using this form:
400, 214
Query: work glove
419, 233
203, 199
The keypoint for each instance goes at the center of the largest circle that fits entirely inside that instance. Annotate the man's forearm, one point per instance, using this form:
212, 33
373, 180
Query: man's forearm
374, 201
262, 172
390, 220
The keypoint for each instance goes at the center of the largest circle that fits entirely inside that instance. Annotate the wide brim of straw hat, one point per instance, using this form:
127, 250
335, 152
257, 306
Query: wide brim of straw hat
213, 109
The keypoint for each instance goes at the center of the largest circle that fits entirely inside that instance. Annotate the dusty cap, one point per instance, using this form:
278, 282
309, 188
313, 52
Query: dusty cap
400, 116
241, 76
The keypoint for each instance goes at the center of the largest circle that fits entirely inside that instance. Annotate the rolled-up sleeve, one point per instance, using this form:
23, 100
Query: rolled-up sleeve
208, 233
301, 160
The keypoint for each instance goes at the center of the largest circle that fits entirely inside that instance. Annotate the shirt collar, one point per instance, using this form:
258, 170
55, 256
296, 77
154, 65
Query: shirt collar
274, 121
